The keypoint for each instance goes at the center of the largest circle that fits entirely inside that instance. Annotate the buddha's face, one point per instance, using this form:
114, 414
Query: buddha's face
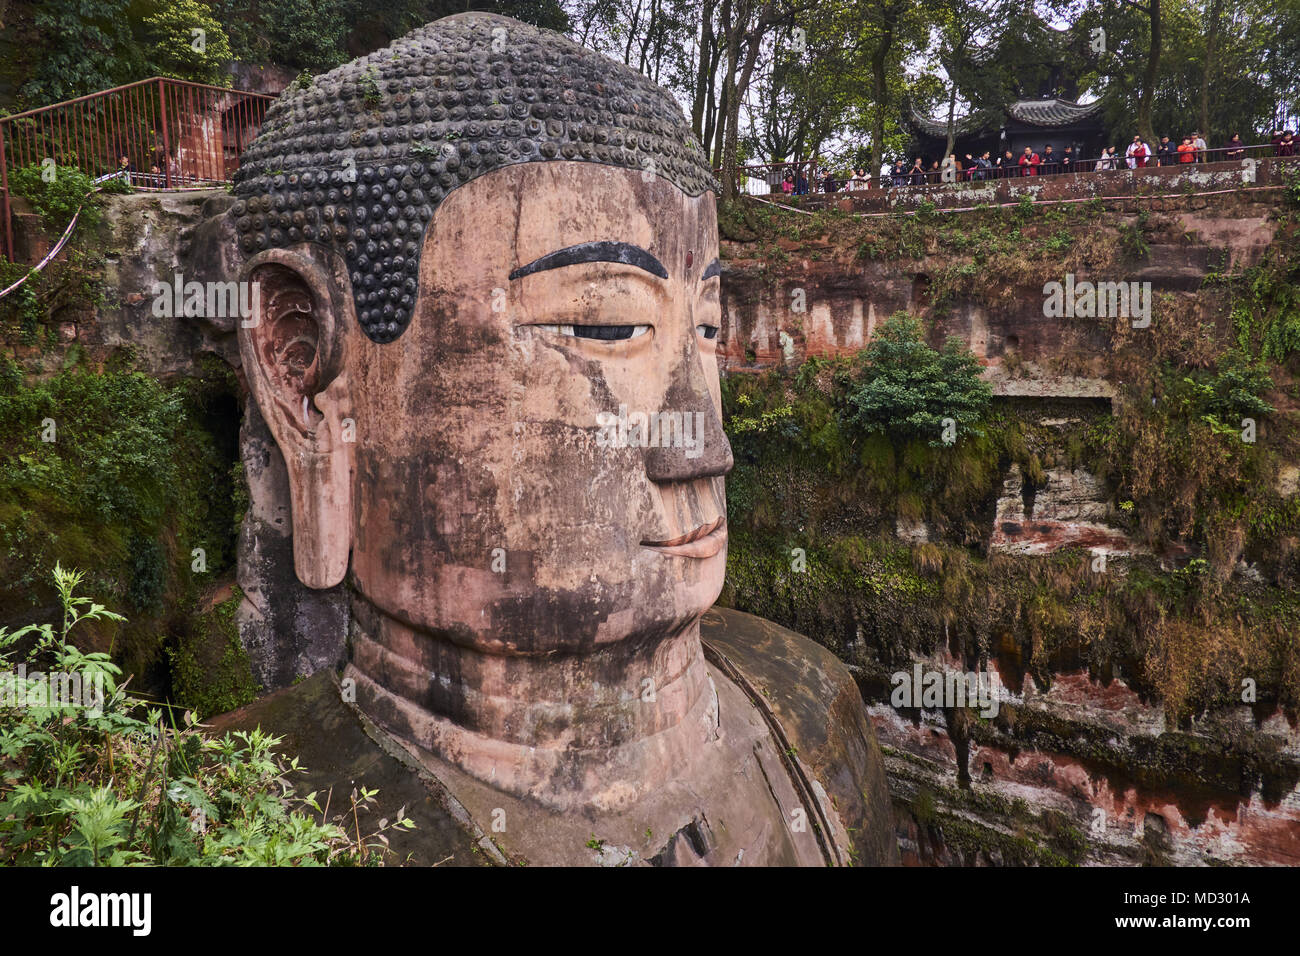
498, 491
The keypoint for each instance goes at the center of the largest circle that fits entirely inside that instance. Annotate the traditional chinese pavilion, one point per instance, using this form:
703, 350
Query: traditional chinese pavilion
1034, 123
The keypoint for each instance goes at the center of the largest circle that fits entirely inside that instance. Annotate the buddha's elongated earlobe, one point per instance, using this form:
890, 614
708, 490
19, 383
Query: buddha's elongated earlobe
292, 350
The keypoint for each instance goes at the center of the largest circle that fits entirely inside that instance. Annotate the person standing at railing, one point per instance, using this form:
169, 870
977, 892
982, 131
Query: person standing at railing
1006, 165
1029, 162
801, 184
1137, 153
787, 184
1202, 147
1109, 159
1187, 150
916, 175
1236, 149
1166, 153
898, 175
980, 168
1049, 162
1286, 145
1067, 160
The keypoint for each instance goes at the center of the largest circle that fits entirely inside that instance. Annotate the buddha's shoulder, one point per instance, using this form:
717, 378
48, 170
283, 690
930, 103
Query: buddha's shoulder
813, 698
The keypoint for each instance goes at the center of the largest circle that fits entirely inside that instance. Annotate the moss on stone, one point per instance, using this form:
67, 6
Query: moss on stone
210, 669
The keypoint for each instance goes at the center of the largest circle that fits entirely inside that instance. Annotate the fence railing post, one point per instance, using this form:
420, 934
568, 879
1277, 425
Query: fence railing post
167, 148
4, 198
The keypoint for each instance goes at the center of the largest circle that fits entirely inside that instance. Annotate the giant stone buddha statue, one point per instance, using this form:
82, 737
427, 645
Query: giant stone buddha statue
474, 249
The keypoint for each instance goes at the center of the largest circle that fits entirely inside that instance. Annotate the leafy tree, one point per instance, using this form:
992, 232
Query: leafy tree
176, 50
963, 31
74, 47
908, 389
62, 49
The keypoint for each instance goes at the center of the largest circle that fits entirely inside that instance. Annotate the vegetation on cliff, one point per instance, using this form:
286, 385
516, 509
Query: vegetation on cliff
896, 530
100, 778
129, 479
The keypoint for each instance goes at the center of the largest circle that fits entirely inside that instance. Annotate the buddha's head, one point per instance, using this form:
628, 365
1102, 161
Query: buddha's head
489, 300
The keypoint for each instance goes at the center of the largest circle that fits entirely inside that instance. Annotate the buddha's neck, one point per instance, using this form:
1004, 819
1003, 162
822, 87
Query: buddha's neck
568, 730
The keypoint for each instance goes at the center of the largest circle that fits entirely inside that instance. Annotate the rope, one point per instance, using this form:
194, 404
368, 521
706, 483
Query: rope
63, 240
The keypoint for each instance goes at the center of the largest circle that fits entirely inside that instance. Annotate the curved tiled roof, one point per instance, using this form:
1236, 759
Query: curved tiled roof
962, 125
1054, 112
1046, 113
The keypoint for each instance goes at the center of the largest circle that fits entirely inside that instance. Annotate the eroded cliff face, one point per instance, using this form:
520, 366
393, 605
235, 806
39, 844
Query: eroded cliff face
99, 298
1118, 734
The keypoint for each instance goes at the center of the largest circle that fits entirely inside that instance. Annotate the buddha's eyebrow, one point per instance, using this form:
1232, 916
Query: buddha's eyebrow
623, 252
714, 268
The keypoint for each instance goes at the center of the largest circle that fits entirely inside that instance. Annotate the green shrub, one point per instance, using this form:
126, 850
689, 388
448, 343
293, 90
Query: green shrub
56, 192
104, 781
907, 389
210, 668
1233, 393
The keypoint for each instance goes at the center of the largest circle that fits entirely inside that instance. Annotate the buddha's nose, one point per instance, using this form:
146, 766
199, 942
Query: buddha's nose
703, 449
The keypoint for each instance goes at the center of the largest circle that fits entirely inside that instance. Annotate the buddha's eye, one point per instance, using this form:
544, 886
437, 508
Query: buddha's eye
708, 331
606, 333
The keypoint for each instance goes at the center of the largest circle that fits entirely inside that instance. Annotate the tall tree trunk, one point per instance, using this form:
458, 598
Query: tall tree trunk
729, 54
1149, 77
736, 95
703, 75
720, 122
952, 132
880, 91
1215, 17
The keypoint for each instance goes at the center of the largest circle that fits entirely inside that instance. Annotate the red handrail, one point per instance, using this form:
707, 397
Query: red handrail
173, 134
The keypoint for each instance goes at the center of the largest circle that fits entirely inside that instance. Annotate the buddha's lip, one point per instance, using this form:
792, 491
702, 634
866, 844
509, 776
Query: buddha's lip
704, 542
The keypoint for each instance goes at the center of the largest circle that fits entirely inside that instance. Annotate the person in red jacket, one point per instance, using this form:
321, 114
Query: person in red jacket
1029, 162
1137, 153
1186, 151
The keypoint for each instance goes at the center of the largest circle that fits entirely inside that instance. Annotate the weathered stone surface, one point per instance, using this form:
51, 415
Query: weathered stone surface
289, 630
150, 239
361, 158
813, 697
779, 314
1077, 187
461, 822
1110, 768
1070, 509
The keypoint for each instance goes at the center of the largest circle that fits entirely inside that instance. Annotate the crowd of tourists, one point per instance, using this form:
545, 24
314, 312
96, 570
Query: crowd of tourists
1192, 148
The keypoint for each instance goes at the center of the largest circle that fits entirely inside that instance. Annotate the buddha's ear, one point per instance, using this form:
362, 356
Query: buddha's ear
292, 349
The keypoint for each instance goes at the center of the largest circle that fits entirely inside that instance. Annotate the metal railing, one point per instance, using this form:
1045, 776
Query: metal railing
158, 133
760, 179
